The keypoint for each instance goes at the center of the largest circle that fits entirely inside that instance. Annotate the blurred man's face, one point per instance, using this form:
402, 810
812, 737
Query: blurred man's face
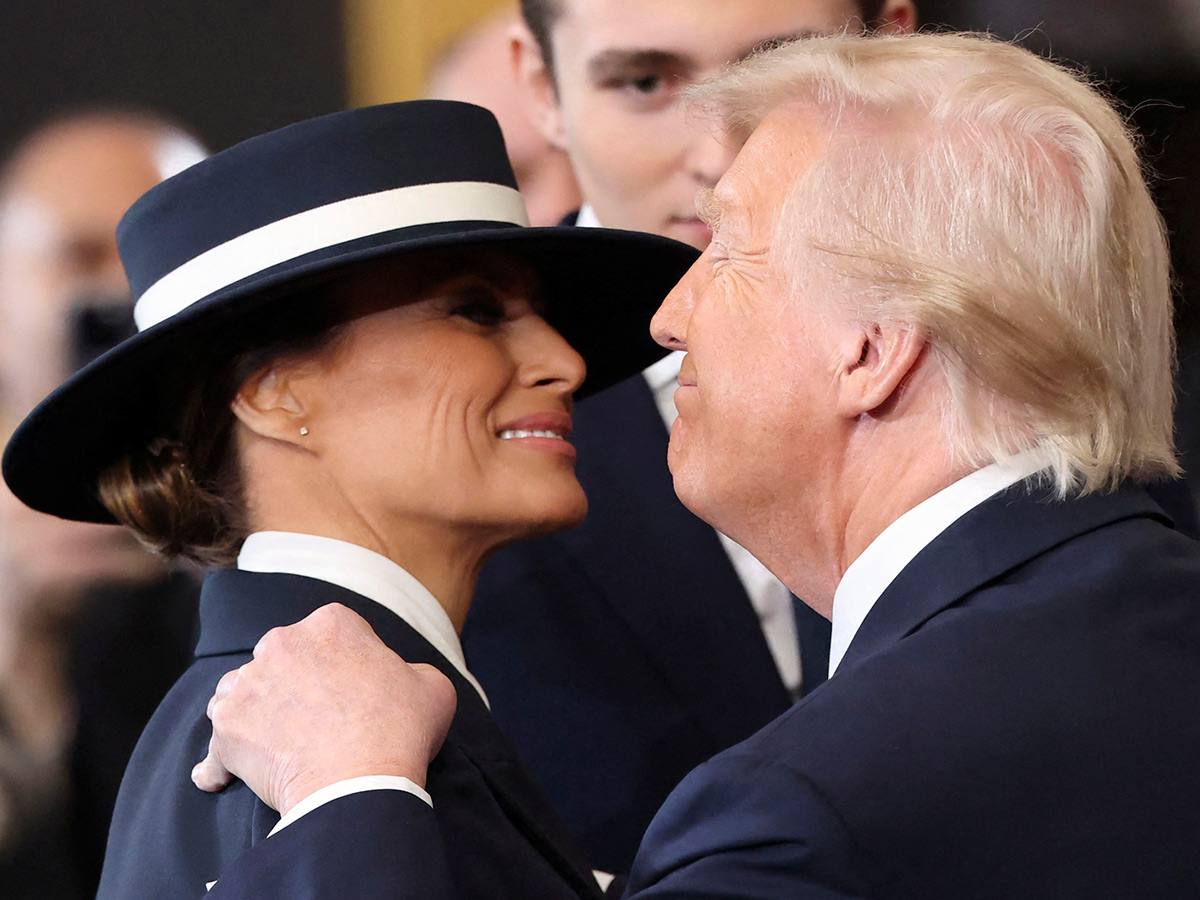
612, 100
62, 291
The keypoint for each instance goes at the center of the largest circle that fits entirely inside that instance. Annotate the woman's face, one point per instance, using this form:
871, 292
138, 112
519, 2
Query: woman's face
447, 414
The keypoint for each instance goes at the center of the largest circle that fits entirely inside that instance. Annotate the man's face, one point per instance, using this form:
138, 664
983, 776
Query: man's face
757, 389
58, 249
613, 99
58, 263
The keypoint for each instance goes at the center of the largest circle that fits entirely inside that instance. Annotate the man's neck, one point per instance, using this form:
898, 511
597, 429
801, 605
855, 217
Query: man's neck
861, 491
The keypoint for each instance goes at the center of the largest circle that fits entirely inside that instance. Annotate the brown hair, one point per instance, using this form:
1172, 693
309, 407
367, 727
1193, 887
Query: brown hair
540, 16
179, 487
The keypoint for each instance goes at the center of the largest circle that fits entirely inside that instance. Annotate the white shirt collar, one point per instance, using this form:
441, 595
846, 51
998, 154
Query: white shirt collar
897, 545
587, 217
364, 572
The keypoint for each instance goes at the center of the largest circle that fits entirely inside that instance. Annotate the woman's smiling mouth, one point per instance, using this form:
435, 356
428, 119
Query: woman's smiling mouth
540, 431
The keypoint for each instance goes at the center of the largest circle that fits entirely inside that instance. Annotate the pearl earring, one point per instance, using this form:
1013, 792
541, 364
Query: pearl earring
303, 430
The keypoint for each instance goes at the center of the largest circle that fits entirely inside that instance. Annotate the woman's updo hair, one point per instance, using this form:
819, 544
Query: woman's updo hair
179, 486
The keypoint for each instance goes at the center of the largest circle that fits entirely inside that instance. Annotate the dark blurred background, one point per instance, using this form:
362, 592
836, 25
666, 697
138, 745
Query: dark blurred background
227, 68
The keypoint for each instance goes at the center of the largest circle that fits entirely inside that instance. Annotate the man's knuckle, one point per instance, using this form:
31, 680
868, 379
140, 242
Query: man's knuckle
270, 643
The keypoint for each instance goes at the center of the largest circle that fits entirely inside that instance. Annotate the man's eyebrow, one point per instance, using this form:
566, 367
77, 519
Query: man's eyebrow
610, 64
710, 208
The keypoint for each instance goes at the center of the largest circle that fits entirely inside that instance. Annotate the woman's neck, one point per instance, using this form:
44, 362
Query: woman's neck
447, 565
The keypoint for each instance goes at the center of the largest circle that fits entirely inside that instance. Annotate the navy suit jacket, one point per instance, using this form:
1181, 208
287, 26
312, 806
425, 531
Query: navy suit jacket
168, 839
623, 653
1016, 718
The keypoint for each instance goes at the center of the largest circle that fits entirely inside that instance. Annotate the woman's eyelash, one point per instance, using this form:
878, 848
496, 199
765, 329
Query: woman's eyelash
482, 311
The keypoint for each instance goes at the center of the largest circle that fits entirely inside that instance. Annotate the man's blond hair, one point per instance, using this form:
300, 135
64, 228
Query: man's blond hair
995, 200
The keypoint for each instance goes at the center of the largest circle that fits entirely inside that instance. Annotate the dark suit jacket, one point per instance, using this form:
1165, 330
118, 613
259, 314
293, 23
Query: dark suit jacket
620, 655
169, 839
1015, 719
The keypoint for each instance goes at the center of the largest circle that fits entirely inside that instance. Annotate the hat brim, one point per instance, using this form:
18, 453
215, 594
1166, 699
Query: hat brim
601, 288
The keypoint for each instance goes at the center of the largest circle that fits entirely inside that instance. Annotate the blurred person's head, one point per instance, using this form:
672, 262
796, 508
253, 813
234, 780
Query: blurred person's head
477, 68
64, 300
603, 77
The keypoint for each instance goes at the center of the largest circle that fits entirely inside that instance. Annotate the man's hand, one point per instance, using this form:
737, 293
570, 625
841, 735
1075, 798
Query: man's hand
322, 701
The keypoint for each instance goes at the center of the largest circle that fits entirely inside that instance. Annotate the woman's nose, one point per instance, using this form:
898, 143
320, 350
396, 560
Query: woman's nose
549, 360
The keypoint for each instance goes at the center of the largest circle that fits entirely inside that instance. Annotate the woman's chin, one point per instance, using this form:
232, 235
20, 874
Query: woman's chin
559, 516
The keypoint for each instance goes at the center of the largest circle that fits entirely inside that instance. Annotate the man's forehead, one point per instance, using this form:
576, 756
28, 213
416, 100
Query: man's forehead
662, 55
789, 140
693, 32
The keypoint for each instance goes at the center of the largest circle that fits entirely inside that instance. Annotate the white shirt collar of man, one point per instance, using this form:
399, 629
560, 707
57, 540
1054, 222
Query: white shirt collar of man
897, 545
587, 217
364, 572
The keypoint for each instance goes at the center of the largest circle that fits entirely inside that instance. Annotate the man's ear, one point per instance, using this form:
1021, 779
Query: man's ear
536, 84
875, 363
269, 406
897, 17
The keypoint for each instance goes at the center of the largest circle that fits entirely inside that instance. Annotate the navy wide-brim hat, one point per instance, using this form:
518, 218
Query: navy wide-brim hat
222, 248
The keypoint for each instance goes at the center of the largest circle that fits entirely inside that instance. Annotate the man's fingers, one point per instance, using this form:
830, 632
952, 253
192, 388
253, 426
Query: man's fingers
210, 773
438, 687
442, 700
224, 687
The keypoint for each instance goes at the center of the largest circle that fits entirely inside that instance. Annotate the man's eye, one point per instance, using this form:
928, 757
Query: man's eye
647, 84
646, 90
488, 313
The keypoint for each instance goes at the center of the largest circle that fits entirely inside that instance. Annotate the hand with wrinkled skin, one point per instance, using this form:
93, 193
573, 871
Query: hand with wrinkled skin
322, 701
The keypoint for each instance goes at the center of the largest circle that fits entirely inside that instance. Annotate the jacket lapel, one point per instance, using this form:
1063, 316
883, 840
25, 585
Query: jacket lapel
231, 624
476, 734
992, 539
664, 572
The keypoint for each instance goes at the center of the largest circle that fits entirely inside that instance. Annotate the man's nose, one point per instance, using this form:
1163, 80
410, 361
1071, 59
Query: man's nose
669, 325
711, 156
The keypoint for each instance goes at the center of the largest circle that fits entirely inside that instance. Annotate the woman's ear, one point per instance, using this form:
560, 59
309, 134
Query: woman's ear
269, 405
535, 82
875, 363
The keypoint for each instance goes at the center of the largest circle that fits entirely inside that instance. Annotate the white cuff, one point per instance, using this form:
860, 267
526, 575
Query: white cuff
350, 786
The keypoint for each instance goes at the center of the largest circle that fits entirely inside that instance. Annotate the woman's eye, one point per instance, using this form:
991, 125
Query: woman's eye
488, 313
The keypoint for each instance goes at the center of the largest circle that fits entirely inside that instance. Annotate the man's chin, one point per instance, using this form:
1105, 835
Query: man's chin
689, 488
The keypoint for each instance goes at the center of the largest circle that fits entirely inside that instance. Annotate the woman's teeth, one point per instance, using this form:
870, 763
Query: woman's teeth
511, 434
